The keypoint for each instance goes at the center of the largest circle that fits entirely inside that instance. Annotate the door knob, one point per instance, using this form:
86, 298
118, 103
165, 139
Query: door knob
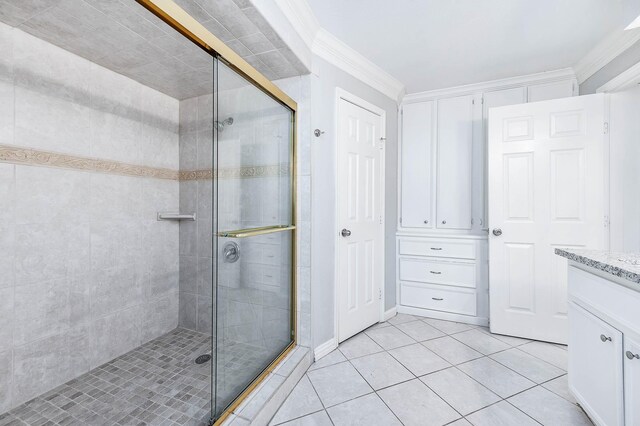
497, 232
631, 355
605, 338
345, 232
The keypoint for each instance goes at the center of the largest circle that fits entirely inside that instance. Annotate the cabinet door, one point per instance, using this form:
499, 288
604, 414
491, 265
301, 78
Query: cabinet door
595, 366
455, 148
548, 91
416, 170
631, 382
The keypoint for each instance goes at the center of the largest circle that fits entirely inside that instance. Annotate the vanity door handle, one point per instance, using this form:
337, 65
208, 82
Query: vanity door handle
437, 298
605, 338
631, 355
436, 248
435, 272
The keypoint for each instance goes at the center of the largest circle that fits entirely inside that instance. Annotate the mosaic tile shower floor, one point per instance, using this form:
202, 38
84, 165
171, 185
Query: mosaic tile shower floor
157, 383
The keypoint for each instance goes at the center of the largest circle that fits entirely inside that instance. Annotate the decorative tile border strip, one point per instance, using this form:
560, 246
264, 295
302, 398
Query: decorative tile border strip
33, 157
237, 173
17, 155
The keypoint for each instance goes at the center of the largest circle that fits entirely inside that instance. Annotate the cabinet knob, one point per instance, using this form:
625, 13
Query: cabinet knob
605, 338
426, 221
444, 222
631, 355
497, 232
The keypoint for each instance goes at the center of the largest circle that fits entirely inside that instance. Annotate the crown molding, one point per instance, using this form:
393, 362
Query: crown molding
328, 47
504, 83
604, 52
625, 80
331, 49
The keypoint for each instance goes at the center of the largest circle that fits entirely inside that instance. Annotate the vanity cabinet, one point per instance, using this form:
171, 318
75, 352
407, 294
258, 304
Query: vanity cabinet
596, 347
632, 381
604, 348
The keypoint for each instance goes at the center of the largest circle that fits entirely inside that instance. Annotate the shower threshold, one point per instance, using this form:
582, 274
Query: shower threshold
158, 383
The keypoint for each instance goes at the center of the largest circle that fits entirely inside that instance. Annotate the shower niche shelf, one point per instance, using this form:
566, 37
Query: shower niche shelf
177, 216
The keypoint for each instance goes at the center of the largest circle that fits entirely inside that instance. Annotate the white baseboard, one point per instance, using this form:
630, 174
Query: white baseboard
325, 348
443, 316
390, 313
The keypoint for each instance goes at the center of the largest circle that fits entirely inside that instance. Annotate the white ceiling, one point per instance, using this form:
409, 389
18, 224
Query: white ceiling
433, 44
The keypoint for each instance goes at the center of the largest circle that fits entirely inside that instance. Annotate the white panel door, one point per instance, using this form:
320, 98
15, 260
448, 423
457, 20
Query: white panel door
631, 381
497, 98
416, 170
546, 190
548, 91
595, 369
455, 149
361, 241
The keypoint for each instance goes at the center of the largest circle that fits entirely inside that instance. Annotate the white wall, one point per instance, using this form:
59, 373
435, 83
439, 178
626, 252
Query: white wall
624, 124
325, 79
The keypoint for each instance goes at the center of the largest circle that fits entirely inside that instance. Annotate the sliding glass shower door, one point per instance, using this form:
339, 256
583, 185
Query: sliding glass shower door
253, 244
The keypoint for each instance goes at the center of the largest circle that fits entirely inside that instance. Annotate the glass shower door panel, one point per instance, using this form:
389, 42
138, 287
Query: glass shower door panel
254, 235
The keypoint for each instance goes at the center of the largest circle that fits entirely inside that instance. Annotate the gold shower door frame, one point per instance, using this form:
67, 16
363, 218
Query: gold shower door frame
189, 27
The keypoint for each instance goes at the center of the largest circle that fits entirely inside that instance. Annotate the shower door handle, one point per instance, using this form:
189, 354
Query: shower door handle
345, 233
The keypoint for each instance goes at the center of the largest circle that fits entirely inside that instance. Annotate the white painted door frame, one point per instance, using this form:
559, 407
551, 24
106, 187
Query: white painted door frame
343, 95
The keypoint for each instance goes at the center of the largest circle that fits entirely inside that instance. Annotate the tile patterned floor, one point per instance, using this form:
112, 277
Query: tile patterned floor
421, 371
155, 384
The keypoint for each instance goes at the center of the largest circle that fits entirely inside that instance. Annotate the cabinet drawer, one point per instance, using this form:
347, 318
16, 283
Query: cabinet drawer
437, 298
461, 250
438, 272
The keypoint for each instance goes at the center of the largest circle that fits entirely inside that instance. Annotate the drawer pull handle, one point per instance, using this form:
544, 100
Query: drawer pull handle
436, 248
605, 338
631, 355
435, 272
437, 298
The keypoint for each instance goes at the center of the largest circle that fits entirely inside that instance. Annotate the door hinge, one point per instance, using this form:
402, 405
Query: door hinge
380, 220
606, 128
379, 294
400, 220
473, 101
607, 222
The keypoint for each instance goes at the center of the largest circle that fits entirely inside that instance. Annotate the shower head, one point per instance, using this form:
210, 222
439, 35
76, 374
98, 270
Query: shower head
220, 124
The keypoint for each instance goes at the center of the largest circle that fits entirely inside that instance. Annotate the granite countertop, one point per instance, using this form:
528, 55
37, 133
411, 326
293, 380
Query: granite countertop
623, 265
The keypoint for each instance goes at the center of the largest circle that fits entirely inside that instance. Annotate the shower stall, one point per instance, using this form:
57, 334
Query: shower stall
152, 248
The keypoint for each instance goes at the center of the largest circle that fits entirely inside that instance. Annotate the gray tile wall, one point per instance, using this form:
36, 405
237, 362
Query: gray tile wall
123, 36
196, 257
87, 273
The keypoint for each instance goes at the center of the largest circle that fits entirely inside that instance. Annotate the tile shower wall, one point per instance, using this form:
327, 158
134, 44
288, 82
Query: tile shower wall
87, 273
196, 196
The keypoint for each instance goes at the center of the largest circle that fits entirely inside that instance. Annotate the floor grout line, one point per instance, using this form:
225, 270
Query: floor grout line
450, 365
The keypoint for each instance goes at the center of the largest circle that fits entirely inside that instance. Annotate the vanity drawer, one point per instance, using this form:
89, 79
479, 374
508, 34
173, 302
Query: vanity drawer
455, 300
461, 250
438, 272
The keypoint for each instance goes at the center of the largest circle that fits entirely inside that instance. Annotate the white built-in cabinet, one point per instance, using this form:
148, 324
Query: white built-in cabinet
454, 166
604, 348
417, 160
442, 187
